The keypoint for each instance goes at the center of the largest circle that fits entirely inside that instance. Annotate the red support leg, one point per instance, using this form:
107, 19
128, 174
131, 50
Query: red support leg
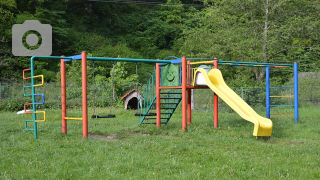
215, 102
189, 106
189, 92
184, 89
63, 96
84, 95
158, 95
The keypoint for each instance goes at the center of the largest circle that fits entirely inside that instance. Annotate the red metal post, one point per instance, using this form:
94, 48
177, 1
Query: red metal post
189, 73
189, 106
84, 95
189, 92
158, 106
63, 96
184, 89
215, 101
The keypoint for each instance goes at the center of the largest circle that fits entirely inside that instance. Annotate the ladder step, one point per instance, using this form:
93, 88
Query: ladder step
153, 118
168, 108
169, 103
169, 93
154, 123
168, 98
148, 114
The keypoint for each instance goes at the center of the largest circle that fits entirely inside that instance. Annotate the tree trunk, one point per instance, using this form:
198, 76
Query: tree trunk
261, 74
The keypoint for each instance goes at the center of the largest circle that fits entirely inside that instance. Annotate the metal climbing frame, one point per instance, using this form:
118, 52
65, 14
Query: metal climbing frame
295, 96
83, 57
34, 111
267, 66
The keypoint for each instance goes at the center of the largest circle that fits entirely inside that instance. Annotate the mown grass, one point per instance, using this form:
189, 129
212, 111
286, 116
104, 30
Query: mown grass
145, 152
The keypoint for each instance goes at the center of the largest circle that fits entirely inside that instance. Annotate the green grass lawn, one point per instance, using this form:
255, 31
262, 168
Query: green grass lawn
145, 152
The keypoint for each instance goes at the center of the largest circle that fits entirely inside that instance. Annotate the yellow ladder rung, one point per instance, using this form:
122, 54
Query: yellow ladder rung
281, 96
42, 80
44, 116
71, 118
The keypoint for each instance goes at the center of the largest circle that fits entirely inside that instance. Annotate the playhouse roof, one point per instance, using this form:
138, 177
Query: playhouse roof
124, 96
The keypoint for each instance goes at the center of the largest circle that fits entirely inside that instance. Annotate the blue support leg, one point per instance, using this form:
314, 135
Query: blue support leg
268, 91
296, 94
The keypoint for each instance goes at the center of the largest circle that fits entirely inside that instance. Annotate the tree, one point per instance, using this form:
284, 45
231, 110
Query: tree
7, 62
17, 12
255, 31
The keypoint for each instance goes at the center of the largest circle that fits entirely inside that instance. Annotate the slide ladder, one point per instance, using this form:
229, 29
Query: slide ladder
34, 103
169, 101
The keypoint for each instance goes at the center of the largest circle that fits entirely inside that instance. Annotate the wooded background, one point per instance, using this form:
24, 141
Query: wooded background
276, 31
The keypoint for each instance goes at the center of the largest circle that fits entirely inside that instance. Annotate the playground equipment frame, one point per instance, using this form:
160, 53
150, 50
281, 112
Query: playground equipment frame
83, 57
186, 79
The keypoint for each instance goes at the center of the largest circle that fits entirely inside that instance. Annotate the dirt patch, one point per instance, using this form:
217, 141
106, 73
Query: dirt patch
293, 143
284, 143
137, 133
110, 137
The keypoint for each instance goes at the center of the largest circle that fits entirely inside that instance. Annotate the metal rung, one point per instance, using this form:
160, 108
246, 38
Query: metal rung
169, 98
42, 99
42, 81
25, 108
169, 93
71, 118
24, 91
23, 73
169, 103
44, 116
282, 96
153, 118
280, 114
155, 123
26, 125
167, 108
281, 87
281, 105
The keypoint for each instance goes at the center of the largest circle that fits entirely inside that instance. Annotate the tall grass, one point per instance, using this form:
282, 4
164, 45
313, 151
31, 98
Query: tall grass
145, 152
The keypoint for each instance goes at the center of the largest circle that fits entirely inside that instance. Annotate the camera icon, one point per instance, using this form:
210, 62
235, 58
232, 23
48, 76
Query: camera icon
21, 30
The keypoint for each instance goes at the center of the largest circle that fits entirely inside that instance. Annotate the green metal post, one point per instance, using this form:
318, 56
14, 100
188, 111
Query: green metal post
33, 100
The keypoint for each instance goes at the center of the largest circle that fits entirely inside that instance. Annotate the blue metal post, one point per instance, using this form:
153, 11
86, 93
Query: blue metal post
268, 91
296, 95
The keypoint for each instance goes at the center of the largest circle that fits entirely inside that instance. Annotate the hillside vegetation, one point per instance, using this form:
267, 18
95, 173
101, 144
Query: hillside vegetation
256, 31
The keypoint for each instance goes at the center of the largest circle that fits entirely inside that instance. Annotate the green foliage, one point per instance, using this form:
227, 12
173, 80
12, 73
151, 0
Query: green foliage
6, 9
256, 31
172, 14
153, 35
7, 63
11, 104
120, 78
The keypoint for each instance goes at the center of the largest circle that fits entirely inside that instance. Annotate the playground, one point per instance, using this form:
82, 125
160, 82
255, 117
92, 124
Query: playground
143, 144
168, 86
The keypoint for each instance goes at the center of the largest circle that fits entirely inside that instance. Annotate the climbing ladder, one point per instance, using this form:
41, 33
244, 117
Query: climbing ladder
34, 103
169, 100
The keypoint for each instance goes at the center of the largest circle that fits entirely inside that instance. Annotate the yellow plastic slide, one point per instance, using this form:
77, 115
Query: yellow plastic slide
214, 79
